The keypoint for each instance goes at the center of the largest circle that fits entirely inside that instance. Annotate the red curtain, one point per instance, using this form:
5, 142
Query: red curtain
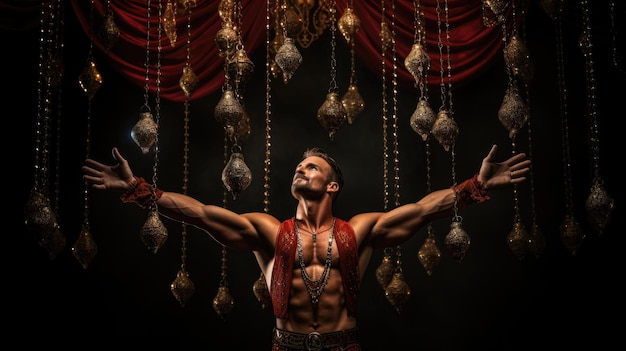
473, 47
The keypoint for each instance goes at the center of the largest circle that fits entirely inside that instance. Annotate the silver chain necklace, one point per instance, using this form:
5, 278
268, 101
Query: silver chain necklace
315, 287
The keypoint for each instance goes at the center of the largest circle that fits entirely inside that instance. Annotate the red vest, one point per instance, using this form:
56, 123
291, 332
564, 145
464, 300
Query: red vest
285, 254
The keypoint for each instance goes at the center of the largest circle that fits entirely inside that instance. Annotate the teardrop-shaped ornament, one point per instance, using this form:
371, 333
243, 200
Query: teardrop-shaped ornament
572, 234
398, 292
599, 206
513, 112
226, 10
349, 23
85, 248
518, 240
145, 132
226, 40
457, 241
41, 220
168, 20
240, 69
188, 81
236, 175
517, 59
90, 79
153, 232
385, 270
445, 129
109, 33
223, 302
182, 287
429, 254
288, 58
228, 110
423, 119
417, 62
332, 115
261, 292
353, 103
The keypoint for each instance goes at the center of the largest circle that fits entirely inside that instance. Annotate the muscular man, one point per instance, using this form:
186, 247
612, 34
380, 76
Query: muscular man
313, 262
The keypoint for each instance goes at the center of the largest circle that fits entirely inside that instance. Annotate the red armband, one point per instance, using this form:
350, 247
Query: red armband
471, 191
141, 193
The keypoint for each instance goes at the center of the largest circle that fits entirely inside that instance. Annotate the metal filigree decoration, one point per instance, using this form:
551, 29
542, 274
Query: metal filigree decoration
261, 292
332, 115
227, 39
288, 58
518, 240
417, 62
572, 234
236, 175
429, 254
348, 24
423, 119
226, 10
353, 103
182, 287
85, 248
228, 110
599, 206
517, 59
169, 22
398, 292
90, 79
188, 81
445, 129
109, 32
513, 112
240, 69
145, 132
385, 270
457, 241
153, 232
240, 133
352, 100
223, 302
41, 220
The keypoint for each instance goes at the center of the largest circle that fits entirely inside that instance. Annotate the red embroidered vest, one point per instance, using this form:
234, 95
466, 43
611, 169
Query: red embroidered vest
284, 258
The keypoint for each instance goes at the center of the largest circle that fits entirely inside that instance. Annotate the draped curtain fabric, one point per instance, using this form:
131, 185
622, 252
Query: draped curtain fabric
473, 47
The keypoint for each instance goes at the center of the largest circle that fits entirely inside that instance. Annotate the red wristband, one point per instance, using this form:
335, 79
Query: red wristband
471, 191
141, 194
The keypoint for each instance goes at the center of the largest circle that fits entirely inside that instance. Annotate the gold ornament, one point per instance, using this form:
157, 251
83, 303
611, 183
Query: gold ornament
236, 175
457, 241
353, 103
417, 62
518, 240
228, 110
599, 206
223, 302
90, 79
398, 292
169, 22
385, 270
423, 119
110, 33
385, 36
517, 59
188, 81
145, 132
332, 115
85, 248
349, 24
262, 292
513, 112
445, 129
240, 69
182, 287
153, 233
41, 220
226, 40
288, 58
429, 254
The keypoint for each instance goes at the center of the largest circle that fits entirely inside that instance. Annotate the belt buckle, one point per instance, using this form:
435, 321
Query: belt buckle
313, 341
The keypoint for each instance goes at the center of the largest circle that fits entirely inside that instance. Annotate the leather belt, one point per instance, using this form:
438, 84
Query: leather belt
314, 341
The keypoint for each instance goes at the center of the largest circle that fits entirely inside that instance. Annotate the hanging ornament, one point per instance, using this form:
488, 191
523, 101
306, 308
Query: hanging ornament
262, 292
385, 36
42, 222
599, 206
85, 248
169, 22
241, 132
153, 233
513, 112
236, 175
226, 10
445, 129
288, 58
518, 240
90, 79
228, 110
398, 292
109, 33
293, 23
349, 23
332, 115
223, 302
226, 40
182, 287
240, 69
429, 254
457, 241
417, 62
423, 119
145, 132
188, 81
385, 270
353, 103
537, 241
572, 234
517, 59
498, 7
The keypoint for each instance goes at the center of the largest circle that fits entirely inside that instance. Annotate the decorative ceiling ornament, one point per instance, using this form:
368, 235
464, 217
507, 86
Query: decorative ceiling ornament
293, 23
226, 10
352, 100
145, 132
41, 220
429, 254
332, 115
168, 21
513, 112
109, 32
85, 248
457, 241
445, 129
417, 62
423, 119
349, 23
240, 133
261, 291
497, 8
353, 103
384, 272
240, 70
228, 110
236, 175
182, 287
288, 58
314, 16
599, 206
223, 302
188, 81
518, 240
227, 39
153, 233
90, 79
517, 59
398, 292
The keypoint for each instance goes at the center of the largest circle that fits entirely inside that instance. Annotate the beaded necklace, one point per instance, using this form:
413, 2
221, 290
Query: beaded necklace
315, 287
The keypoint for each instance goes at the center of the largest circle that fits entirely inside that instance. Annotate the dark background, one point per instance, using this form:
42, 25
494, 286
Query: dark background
490, 300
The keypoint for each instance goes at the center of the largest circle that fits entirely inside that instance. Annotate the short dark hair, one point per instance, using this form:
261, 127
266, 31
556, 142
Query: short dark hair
336, 174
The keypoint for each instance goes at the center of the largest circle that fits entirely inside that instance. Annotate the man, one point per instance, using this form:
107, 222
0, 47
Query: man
313, 262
